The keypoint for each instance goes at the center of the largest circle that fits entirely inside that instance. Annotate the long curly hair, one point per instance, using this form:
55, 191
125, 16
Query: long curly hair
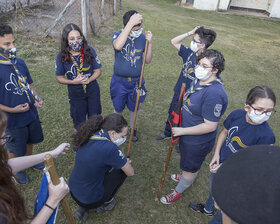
113, 122
65, 49
12, 209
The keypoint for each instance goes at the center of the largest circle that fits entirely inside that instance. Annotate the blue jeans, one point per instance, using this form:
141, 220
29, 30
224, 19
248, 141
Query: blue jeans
217, 218
209, 205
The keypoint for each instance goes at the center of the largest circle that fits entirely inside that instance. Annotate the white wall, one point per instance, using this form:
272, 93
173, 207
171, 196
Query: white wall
206, 4
251, 4
275, 9
224, 5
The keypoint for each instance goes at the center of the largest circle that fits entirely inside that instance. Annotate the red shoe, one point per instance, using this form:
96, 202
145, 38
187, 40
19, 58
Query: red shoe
170, 198
176, 177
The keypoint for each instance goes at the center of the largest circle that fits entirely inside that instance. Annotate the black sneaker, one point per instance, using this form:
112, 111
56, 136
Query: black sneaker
200, 208
134, 137
107, 206
162, 136
81, 214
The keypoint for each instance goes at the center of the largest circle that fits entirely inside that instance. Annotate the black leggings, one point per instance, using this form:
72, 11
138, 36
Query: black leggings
112, 182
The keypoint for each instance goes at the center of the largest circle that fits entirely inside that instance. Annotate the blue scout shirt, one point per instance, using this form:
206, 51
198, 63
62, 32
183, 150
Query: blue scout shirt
93, 161
209, 103
187, 73
13, 94
242, 134
128, 61
68, 69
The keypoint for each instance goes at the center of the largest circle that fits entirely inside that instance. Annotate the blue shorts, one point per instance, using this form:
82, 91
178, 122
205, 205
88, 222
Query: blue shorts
123, 93
192, 156
30, 134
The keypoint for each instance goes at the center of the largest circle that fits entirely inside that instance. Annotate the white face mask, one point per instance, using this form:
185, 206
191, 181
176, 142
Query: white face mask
120, 141
258, 119
136, 33
201, 73
193, 46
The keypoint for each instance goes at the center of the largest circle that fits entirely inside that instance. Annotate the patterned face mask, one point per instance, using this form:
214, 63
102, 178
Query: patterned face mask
76, 45
136, 33
8, 53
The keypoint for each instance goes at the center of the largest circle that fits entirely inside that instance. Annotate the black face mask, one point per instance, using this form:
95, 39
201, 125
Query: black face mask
8, 53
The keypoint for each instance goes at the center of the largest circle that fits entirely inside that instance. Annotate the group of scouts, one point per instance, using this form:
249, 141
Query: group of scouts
100, 167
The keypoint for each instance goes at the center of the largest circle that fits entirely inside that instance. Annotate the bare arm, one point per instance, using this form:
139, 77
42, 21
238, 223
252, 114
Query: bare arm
20, 163
96, 74
17, 109
215, 162
121, 39
203, 128
57, 193
150, 49
39, 103
78, 80
128, 169
177, 41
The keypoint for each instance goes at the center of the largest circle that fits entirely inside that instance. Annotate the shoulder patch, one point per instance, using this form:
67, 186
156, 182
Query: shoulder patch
218, 110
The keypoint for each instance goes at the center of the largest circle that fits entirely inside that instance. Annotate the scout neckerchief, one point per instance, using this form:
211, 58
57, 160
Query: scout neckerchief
193, 89
79, 68
100, 136
24, 84
186, 63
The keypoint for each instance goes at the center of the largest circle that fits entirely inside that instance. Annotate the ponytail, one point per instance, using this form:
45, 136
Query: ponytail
112, 122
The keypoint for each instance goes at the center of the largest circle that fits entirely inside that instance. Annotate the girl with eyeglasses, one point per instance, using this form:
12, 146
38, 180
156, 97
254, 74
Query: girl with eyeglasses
242, 128
80, 64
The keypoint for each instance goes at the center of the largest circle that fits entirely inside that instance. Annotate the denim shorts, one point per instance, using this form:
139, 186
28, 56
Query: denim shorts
192, 156
30, 134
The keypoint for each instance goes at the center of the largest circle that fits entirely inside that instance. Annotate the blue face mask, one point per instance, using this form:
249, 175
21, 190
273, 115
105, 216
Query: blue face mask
76, 45
8, 53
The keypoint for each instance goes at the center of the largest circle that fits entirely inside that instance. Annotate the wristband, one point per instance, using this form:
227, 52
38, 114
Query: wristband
49, 207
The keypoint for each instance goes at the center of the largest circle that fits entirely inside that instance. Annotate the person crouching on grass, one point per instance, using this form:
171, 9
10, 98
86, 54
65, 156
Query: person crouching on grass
203, 105
100, 167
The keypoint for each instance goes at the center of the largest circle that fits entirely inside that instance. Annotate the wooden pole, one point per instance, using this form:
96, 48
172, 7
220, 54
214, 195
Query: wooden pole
115, 7
165, 168
55, 180
169, 151
84, 17
137, 99
102, 10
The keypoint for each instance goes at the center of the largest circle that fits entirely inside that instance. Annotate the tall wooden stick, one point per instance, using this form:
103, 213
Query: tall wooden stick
137, 99
55, 180
169, 153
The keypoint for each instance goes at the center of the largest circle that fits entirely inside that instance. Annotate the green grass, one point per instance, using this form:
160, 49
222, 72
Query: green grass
251, 49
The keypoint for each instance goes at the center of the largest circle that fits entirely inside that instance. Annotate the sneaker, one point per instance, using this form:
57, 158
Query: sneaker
162, 136
39, 166
107, 206
200, 208
170, 198
81, 214
21, 178
134, 137
176, 177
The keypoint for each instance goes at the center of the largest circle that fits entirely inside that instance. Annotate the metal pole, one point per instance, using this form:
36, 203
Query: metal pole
84, 17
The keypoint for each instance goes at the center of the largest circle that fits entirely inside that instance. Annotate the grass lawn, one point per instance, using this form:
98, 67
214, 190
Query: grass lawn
251, 49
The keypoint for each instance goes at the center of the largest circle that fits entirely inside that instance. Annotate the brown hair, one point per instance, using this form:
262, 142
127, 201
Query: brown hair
260, 92
112, 122
12, 209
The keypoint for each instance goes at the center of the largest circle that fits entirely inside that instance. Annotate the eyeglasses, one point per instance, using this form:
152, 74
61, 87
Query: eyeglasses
198, 42
5, 139
261, 111
203, 66
139, 24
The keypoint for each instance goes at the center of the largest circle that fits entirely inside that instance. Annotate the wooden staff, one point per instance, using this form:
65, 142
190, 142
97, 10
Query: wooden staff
169, 152
137, 99
55, 180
